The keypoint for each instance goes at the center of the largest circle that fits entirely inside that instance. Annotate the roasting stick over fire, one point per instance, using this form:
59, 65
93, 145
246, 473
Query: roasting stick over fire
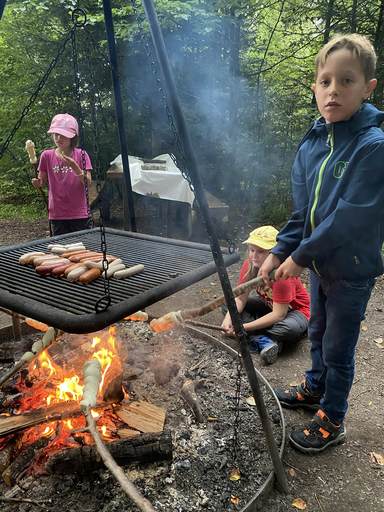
170, 320
92, 379
38, 347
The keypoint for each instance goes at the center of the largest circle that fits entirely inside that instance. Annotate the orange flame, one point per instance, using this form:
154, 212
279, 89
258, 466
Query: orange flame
46, 362
70, 389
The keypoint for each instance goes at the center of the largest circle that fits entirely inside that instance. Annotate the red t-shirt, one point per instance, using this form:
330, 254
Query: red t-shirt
290, 291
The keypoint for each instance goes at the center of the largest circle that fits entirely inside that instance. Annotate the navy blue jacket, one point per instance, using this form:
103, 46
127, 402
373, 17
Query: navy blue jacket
337, 228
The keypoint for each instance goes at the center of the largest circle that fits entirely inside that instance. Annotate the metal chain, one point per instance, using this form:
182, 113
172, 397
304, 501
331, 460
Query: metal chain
184, 171
96, 151
104, 302
236, 420
33, 97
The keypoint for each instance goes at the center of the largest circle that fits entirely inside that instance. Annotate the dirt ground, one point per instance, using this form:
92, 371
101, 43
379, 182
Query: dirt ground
344, 478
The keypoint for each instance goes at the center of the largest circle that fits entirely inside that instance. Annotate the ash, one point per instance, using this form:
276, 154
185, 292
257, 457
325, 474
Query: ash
155, 369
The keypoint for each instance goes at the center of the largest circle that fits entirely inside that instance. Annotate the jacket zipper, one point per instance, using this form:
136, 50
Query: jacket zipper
330, 143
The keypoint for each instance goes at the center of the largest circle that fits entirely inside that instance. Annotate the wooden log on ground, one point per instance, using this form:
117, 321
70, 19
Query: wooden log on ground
22, 462
141, 416
188, 393
148, 447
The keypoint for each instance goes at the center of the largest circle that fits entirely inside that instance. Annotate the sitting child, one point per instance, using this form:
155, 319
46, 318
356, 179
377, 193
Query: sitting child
276, 314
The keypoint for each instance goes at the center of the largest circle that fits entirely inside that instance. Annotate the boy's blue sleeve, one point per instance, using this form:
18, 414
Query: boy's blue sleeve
359, 208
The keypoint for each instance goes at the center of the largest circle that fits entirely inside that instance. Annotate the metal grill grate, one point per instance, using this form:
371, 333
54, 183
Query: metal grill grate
71, 306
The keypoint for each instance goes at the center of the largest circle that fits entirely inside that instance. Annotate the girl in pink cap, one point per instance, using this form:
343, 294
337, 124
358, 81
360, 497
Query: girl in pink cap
275, 314
64, 169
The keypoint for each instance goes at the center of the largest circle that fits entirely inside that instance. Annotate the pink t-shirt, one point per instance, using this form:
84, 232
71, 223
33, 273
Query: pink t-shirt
290, 291
67, 199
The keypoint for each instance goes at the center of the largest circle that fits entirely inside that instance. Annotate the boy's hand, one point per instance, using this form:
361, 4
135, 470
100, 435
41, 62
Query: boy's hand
227, 325
288, 269
269, 264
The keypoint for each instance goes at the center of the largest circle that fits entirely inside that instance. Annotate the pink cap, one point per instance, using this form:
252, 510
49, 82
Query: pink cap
64, 124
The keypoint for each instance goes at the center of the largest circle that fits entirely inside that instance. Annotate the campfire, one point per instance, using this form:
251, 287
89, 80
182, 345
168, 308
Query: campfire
43, 430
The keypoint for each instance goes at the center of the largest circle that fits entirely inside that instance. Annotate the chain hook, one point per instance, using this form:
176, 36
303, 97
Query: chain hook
76, 14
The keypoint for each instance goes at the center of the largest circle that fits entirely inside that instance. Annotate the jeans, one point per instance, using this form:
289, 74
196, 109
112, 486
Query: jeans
337, 310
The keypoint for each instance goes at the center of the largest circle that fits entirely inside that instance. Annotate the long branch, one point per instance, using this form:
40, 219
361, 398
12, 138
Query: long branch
115, 469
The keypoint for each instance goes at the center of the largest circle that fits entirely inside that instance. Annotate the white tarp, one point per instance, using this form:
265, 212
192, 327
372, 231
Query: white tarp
165, 184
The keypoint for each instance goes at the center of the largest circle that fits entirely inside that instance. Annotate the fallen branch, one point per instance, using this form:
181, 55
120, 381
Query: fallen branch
26, 500
188, 393
171, 320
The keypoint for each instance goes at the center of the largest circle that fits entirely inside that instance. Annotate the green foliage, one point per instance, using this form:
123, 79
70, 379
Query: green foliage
244, 73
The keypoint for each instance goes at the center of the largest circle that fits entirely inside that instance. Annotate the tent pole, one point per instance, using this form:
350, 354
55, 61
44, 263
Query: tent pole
119, 113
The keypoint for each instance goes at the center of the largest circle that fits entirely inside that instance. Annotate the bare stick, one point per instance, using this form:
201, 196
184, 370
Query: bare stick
170, 320
116, 470
202, 324
92, 378
26, 500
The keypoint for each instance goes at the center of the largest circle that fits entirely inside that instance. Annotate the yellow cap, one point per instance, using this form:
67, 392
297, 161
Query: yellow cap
264, 237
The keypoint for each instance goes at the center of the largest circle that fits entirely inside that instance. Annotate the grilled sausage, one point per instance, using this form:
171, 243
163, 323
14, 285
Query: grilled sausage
24, 259
36, 260
53, 261
76, 273
77, 257
128, 271
89, 275
60, 269
72, 267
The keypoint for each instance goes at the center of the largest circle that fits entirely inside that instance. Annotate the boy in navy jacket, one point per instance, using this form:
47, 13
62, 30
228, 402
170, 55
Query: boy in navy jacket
337, 230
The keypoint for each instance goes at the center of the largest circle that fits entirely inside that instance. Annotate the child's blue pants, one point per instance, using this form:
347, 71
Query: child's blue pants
337, 310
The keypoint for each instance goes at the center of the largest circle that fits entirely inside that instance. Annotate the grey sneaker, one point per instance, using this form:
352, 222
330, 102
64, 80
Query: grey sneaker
269, 353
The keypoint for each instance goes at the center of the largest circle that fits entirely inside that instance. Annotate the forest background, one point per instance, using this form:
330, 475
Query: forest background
244, 72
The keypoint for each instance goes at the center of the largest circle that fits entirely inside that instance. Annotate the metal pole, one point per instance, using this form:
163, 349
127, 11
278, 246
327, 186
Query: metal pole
216, 252
2, 5
119, 112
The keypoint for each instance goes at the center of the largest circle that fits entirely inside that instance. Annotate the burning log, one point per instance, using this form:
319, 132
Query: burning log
188, 393
38, 347
114, 392
171, 320
55, 412
148, 447
23, 461
6, 454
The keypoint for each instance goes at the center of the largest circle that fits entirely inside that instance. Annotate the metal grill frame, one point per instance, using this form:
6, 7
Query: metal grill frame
70, 306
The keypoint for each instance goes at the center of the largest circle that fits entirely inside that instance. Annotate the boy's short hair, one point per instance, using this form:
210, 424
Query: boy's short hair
360, 47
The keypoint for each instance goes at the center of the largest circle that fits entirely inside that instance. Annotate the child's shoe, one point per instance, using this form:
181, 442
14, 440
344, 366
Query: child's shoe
318, 434
268, 350
298, 397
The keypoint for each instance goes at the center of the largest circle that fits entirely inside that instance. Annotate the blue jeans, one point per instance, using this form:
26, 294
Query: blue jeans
337, 310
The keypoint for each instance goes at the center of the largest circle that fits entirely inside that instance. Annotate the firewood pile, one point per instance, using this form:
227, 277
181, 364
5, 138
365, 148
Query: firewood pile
166, 415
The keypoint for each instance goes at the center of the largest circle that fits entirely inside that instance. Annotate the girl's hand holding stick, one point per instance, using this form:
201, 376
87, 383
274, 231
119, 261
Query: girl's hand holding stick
30, 147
